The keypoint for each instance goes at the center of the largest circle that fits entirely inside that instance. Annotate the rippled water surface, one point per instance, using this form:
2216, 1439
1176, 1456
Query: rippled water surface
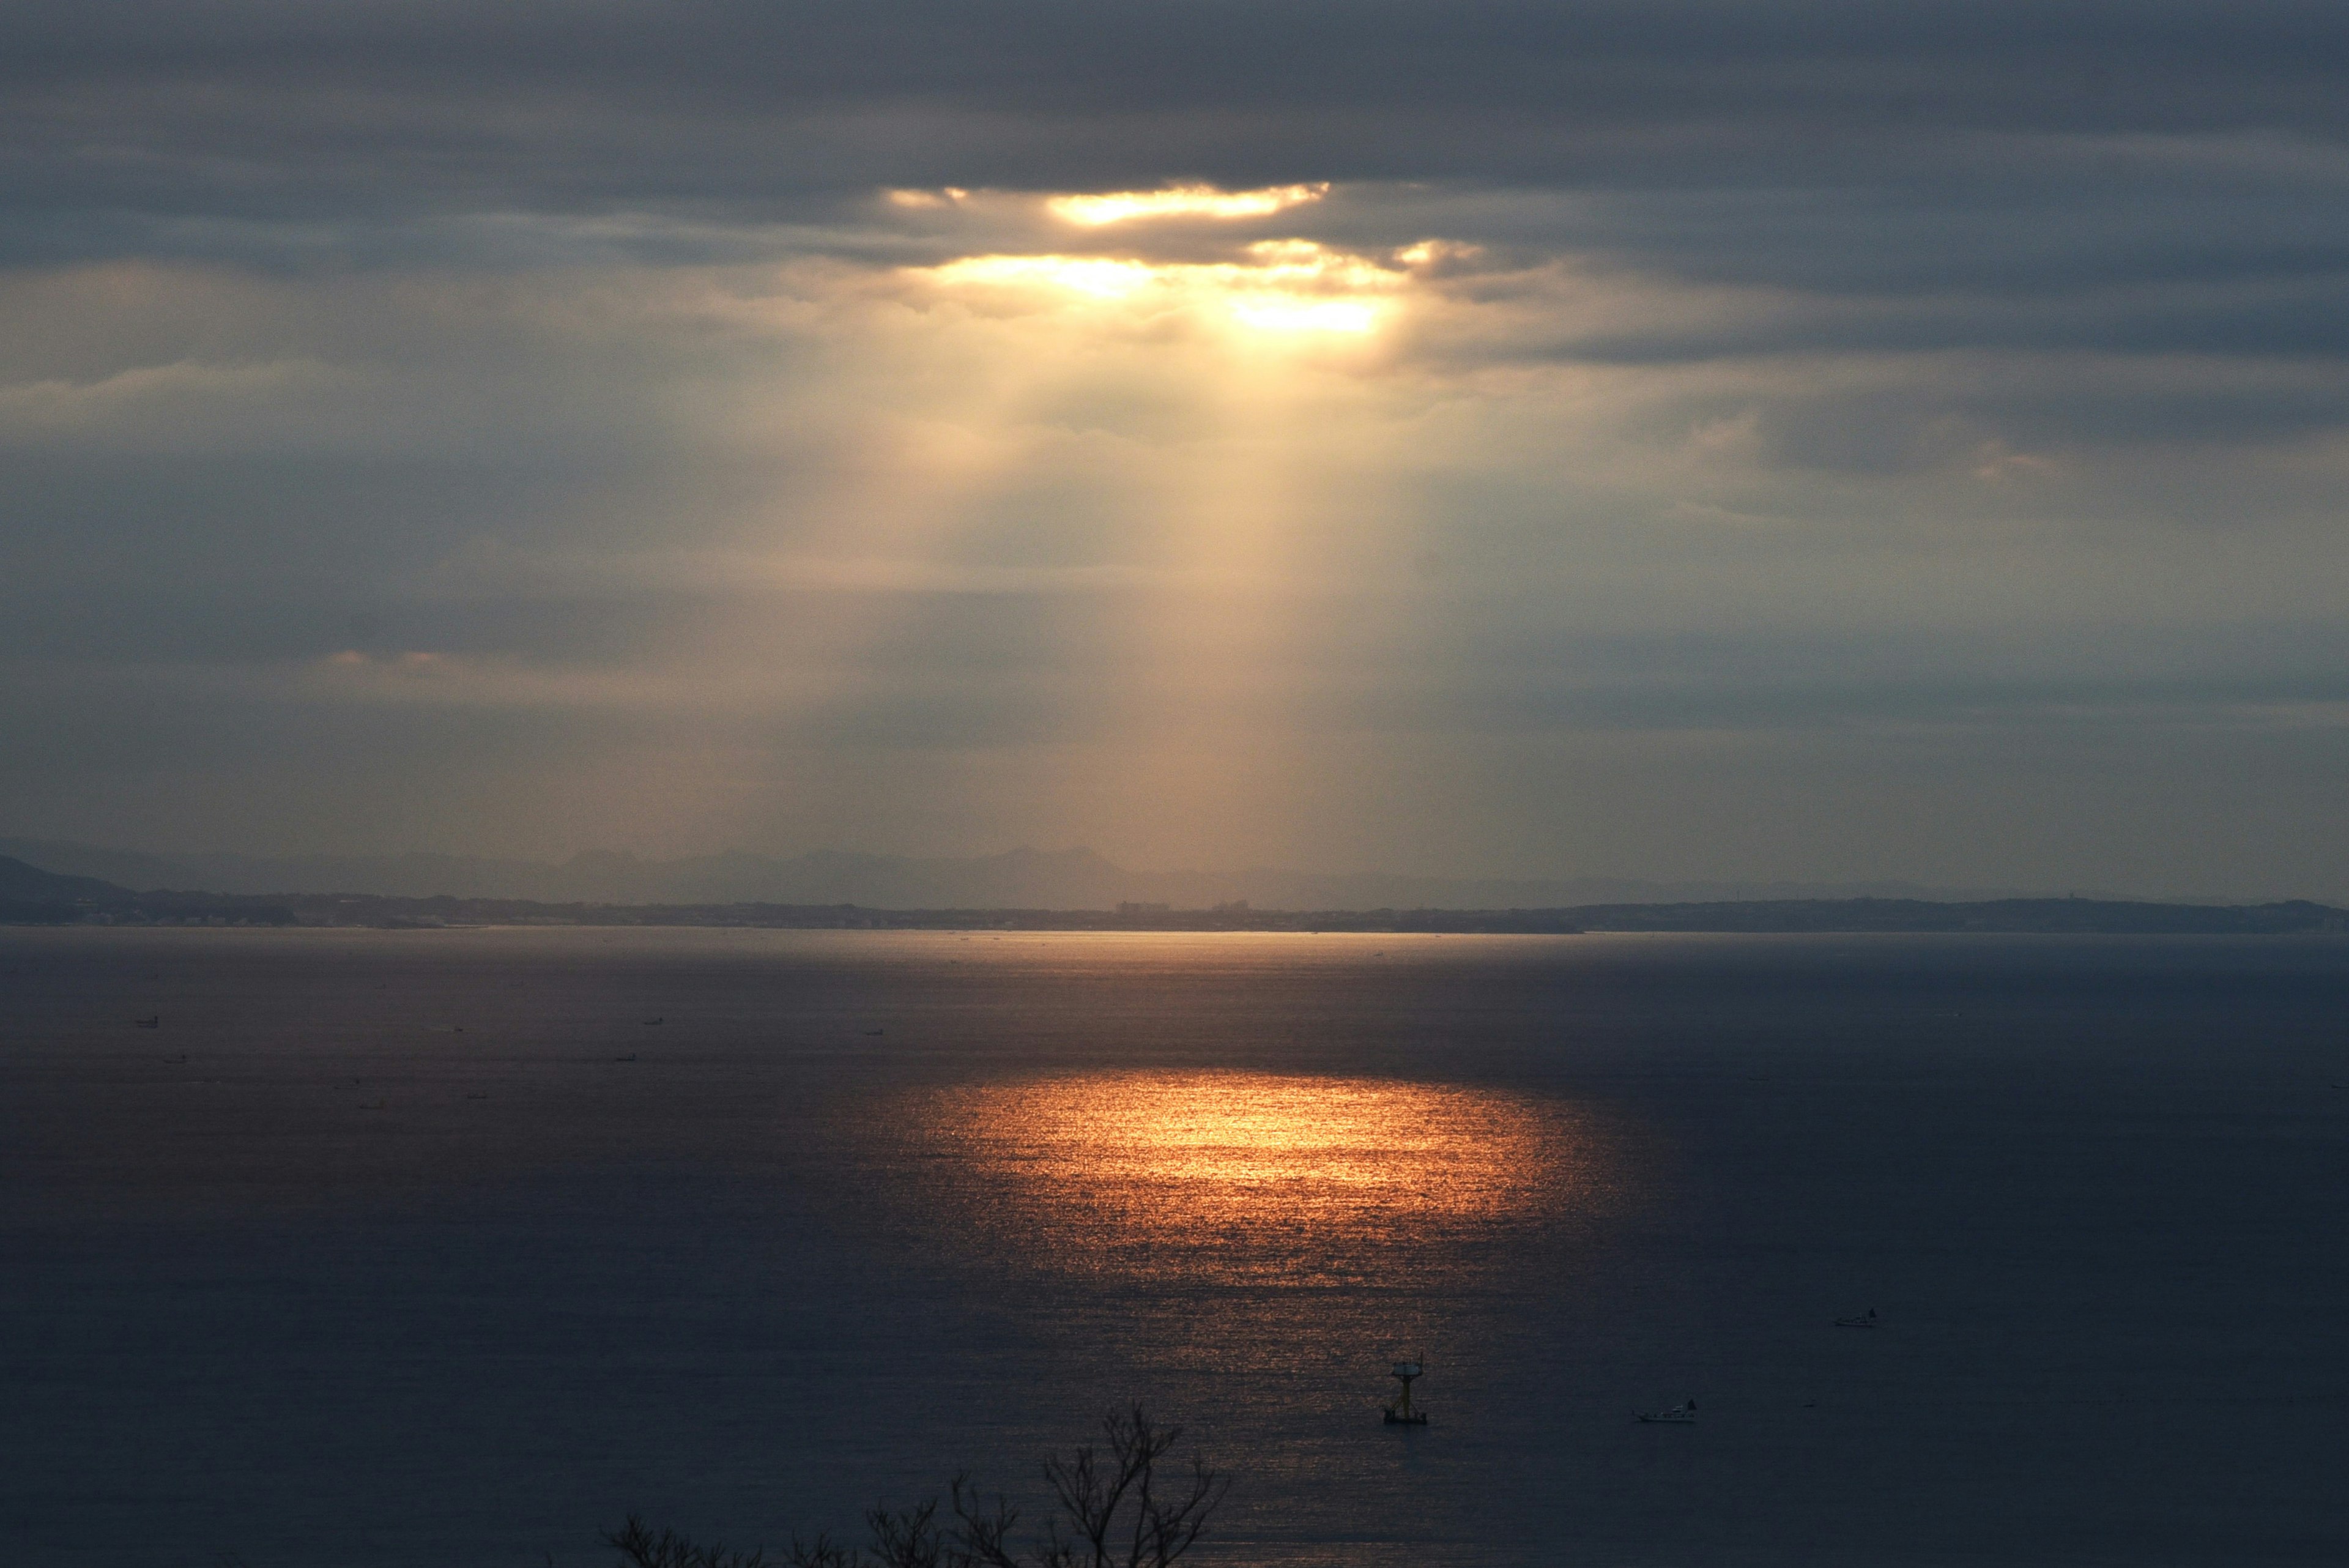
1291, 1180
447, 1248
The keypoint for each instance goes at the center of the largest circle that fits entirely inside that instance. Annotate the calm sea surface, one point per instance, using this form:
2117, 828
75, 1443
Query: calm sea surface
437, 1249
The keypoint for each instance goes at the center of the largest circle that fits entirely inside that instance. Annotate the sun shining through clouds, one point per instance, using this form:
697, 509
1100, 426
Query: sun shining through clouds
1114, 450
1242, 1175
1218, 400
1280, 286
1181, 201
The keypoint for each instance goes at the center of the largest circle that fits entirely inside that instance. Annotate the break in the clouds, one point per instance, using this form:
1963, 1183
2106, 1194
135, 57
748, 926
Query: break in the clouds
1710, 441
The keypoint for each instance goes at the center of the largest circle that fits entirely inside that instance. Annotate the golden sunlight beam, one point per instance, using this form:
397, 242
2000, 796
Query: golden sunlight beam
1092, 211
1102, 277
1284, 285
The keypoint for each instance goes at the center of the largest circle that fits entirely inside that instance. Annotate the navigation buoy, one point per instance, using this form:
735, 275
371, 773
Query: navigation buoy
1400, 1413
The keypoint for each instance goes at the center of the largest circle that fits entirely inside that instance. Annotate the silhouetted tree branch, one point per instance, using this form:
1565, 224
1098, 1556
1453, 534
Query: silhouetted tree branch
821, 1554
908, 1538
639, 1548
1116, 1510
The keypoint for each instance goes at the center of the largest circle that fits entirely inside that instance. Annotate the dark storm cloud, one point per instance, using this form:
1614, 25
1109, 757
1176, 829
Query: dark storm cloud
2140, 64
2028, 173
743, 107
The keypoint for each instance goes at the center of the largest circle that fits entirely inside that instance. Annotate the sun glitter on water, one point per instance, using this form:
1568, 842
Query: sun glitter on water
1251, 1175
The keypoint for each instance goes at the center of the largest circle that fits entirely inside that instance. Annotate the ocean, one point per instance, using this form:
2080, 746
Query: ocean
454, 1248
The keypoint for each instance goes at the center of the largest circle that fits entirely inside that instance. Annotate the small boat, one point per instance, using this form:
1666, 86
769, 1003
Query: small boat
628, 1058
1681, 1415
1859, 1320
179, 1061
874, 1034
154, 1022
650, 1021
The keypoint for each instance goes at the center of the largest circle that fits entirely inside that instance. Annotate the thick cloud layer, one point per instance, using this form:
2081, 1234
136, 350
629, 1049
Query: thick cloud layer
1703, 440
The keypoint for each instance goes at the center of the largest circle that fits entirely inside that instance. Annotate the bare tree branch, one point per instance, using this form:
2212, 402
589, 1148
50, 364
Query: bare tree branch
983, 1534
639, 1548
821, 1554
1115, 1510
908, 1538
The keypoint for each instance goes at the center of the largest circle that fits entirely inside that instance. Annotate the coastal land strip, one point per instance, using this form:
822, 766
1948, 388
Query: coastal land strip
29, 895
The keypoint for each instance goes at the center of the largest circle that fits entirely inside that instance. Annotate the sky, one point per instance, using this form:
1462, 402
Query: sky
1679, 440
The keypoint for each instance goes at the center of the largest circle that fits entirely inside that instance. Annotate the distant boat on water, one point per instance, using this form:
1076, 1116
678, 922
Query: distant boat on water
1681, 1415
1859, 1320
157, 1022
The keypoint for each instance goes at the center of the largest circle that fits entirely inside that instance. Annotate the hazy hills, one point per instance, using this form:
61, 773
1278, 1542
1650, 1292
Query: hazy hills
1020, 878
29, 895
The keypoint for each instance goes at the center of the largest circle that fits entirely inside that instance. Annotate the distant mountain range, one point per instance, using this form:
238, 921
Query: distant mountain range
30, 895
1020, 878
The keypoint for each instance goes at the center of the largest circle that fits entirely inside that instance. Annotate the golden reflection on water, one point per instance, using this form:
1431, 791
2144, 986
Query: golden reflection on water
1253, 1175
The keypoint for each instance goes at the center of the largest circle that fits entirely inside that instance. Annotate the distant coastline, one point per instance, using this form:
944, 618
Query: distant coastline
29, 895
1022, 878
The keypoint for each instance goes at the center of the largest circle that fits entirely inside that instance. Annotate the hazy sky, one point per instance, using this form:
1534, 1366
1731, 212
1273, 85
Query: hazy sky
1816, 441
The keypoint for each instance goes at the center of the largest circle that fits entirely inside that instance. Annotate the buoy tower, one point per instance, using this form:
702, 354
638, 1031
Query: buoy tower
1400, 1413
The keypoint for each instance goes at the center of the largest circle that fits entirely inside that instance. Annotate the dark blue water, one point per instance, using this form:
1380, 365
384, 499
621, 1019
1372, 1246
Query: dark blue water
350, 1286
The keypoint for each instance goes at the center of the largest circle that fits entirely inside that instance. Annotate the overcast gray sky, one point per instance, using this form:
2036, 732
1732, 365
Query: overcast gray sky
1811, 440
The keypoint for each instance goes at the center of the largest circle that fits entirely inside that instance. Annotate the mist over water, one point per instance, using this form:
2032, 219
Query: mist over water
436, 1248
